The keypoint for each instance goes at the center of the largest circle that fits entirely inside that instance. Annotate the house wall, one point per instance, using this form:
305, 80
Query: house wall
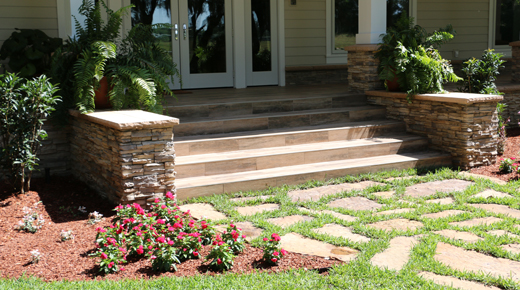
470, 19
305, 33
28, 14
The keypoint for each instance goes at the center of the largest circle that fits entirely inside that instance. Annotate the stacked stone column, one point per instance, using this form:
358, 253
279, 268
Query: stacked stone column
515, 69
127, 156
362, 67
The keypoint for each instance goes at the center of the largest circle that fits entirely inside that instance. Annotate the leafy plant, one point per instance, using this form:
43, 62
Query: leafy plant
35, 256
234, 238
29, 51
507, 165
273, 252
221, 256
31, 222
24, 106
407, 52
138, 70
66, 235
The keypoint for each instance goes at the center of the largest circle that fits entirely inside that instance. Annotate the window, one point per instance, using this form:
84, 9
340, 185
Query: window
504, 25
342, 24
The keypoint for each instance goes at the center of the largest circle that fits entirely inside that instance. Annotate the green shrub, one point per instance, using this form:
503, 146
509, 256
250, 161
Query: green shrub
479, 75
24, 105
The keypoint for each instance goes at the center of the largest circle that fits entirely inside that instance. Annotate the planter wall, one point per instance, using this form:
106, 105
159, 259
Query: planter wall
464, 125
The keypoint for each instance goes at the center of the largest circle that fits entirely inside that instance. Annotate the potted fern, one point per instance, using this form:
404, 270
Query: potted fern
409, 55
135, 68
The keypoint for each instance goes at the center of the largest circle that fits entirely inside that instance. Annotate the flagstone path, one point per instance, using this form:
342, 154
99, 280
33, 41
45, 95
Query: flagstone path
397, 254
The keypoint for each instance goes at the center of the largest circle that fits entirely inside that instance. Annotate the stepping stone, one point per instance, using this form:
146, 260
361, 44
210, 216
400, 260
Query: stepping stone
392, 211
347, 218
251, 210
342, 232
355, 203
488, 193
430, 188
499, 208
494, 179
248, 198
397, 255
464, 260
247, 228
201, 210
457, 235
397, 224
297, 243
513, 248
384, 194
313, 194
287, 221
476, 222
455, 282
499, 233
441, 201
443, 214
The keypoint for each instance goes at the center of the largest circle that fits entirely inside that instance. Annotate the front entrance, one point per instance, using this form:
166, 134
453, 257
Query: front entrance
204, 39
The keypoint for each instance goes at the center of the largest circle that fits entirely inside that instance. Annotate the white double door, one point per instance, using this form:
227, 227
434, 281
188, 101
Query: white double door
209, 38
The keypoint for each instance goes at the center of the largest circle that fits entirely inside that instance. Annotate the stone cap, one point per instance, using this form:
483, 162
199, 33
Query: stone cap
514, 43
450, 97
362, 47
125, 120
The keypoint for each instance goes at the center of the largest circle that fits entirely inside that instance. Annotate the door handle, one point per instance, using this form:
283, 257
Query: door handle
184, 30
176, 31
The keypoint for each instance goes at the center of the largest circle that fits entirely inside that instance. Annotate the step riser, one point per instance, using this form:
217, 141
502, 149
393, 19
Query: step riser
261, 184
234, 109
298, 158
302, 137
276, 122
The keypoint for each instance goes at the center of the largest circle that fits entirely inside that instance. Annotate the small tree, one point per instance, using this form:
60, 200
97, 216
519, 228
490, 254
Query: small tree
24, 105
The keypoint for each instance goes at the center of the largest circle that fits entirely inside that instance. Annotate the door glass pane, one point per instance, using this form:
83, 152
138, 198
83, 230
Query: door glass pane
261, 34
207, 36
150, 12
346, 19
507, 27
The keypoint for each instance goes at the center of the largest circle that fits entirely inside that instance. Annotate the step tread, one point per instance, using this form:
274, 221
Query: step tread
280, 114
292, 149
283, 131
193, 182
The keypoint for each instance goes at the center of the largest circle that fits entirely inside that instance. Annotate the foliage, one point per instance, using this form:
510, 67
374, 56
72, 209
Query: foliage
409, 53
35, 256
31, 221
165, 235
479, 75
66, 235
137, 68
94, 218
29, 51
24, 106
221, 256
273, 252
507, 165
234, 238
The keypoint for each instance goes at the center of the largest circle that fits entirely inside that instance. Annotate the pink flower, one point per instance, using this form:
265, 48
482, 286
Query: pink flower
161, 221
177, 225
219, 261
266, 239
243, 236
163, 206
275, 253
122, 269
195, 254
284, 252
104, 256
275, 237
111, 265
140, 250
170, 242
274, 260
169, 195
231, 225
101, 230
156, 200
161, 239
153, 257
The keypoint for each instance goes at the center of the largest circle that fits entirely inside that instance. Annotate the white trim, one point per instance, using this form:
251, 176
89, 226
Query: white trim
503, 49
281, 43
64, 19
239, 45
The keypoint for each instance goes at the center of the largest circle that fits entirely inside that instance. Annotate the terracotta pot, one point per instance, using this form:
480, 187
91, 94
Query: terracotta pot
102, 100
392, 85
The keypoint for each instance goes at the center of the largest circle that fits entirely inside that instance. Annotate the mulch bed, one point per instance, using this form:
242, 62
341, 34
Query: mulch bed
59, 201
512, 149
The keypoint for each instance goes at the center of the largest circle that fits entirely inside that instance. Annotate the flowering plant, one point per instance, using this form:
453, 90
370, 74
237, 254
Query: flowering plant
507, 165
272, 249
234, 238
31, 221
66, 235
222, 255
35, 256
94, 218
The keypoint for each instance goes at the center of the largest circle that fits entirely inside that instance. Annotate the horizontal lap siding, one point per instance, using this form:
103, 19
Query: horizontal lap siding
305, 33
470, 19
28, 14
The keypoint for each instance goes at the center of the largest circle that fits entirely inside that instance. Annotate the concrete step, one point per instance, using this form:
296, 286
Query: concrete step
265, 158
297, 174
265, 104
202, 126
204, 144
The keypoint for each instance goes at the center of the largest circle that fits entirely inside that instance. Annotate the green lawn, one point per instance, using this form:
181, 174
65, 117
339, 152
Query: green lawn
360, 273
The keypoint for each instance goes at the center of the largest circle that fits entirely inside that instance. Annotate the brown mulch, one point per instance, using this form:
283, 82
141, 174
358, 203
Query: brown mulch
69, 260
512, 149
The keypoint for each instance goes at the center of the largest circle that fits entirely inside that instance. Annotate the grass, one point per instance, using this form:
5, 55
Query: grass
360, 273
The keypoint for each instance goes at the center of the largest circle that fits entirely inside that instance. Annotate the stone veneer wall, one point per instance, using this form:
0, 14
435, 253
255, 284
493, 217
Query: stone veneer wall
362, 67
326, 74
515, 69
127, 156
54, 153
464, 125
512, 100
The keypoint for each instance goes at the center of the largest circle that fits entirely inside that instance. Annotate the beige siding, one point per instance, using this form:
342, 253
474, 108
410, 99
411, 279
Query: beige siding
305, 33
28, 14
470, 18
